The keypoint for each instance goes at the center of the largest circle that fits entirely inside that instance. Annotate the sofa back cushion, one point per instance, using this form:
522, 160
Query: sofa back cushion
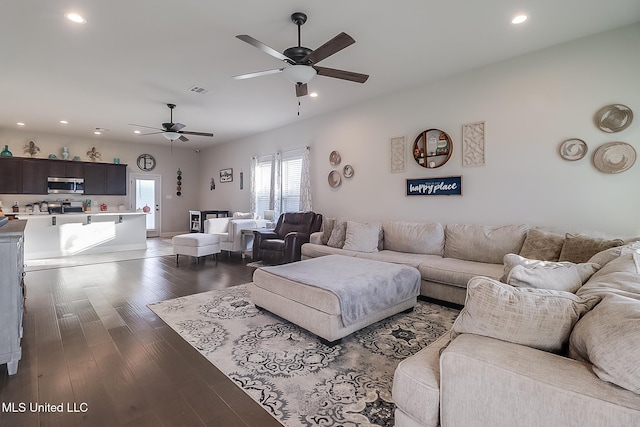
483, 243
414, 237
579, 248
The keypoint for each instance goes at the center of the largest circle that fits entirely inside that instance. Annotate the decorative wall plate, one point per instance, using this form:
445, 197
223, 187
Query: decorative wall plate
573, 149
614, 118
348, 171
334, 158
614, 157
334, 179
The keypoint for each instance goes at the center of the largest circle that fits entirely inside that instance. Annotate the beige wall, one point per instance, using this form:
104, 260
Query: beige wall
529, 105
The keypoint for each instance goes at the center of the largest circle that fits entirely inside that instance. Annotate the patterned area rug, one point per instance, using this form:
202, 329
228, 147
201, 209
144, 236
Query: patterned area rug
300, 381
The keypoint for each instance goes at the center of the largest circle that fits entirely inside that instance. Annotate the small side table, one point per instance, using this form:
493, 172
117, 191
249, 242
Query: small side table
246, 234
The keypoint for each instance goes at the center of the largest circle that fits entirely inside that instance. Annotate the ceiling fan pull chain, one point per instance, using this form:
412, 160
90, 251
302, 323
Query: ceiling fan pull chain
298, 108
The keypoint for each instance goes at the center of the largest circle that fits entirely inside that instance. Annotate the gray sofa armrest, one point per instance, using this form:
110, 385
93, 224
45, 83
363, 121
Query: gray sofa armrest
485, 381
316, 237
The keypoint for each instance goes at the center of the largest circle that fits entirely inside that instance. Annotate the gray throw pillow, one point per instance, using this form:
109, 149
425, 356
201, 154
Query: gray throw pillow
559, 276
609, 338
542, 245
338, 234
537, 318
579, 248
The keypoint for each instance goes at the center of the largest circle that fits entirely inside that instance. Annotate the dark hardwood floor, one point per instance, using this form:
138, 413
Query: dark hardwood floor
91, 344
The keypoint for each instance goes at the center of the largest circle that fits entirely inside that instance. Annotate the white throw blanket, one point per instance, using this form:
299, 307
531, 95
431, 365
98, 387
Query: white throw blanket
362, 286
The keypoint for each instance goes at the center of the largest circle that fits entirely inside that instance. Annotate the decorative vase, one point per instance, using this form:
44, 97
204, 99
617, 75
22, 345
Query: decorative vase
146, 209
6, 152
65, 153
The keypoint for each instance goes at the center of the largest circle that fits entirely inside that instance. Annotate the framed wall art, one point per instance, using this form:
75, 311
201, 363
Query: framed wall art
226, 175
398, 154
445, 186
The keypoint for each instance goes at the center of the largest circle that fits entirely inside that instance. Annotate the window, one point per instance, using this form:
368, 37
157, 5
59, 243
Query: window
262, 183
277, 182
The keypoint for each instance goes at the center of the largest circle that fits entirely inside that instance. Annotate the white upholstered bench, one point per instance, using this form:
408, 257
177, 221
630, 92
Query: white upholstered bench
335, 295
196, 244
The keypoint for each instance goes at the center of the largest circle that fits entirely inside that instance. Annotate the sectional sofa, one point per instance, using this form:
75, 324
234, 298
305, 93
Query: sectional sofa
552, 342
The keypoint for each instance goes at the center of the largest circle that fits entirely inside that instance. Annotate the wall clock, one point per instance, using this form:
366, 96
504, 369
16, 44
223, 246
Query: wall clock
146, 162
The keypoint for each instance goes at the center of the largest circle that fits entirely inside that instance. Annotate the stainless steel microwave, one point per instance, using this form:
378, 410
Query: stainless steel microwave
65, 185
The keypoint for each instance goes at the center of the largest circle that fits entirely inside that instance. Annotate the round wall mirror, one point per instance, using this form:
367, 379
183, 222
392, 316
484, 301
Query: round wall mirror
432, 148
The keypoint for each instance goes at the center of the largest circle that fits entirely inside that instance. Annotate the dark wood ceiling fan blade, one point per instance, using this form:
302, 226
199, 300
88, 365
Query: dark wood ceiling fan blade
257, 74
183, 138
334, 45
263, 47
142, 126
184, 132
342, 74
173, 127
301, 89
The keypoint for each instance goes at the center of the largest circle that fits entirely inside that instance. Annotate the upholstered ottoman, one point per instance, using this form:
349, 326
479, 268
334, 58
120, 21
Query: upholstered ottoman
196, 244
335, 295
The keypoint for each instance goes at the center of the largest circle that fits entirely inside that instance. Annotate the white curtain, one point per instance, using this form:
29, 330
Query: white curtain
252, 187
276, 185
305, 182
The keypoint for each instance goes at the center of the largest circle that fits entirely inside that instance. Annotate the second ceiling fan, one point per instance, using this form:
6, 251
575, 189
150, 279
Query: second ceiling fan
301, 61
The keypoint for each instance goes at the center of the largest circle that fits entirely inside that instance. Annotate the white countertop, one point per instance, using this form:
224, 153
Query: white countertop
30, 215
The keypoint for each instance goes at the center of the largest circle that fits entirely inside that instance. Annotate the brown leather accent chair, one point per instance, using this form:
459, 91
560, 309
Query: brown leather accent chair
283, 244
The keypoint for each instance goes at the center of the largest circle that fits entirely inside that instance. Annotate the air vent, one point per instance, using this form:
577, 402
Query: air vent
198, 89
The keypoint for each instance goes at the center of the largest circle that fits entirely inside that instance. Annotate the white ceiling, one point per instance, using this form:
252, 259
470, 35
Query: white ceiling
133, 57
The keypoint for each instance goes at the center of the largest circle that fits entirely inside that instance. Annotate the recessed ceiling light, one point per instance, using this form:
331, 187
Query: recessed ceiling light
20, 124
74, 17
136, 131
64, 122
519, 19
97, 132
313, 94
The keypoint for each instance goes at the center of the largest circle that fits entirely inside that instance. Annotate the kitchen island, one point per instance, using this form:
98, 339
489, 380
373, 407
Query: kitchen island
57, 235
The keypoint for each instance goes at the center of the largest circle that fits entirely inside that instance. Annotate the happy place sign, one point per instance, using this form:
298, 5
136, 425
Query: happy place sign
447, 186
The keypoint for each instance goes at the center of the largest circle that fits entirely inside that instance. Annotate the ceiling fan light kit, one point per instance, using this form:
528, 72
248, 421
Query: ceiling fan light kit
302, 61
172, 131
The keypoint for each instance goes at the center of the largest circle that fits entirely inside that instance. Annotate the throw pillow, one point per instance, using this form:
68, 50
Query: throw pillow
559, 276
336, 240
327, 228
579, 248
243, 215
542, 245
537, 318
362, 237
608, 337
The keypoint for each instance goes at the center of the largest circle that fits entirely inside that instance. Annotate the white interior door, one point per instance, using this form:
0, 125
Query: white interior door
145, 191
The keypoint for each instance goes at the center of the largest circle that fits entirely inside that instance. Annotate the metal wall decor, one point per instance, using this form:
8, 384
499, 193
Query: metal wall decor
334, 158
179, 183
473, 146
432, 148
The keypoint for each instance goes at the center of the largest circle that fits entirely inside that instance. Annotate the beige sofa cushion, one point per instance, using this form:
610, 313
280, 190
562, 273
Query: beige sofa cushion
579, 248
483, 243
414, 237
327, 228
537, 318
457, 272
542, 245
532, 273
362, 237
338, 234
609, 338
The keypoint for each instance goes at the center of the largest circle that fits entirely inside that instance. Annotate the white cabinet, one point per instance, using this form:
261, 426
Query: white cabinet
11, 293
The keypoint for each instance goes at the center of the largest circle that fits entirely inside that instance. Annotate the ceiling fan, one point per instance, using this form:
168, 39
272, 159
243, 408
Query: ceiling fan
301, 61
172, 131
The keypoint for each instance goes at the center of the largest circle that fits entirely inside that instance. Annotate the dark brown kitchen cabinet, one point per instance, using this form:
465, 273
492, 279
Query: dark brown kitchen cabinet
66, 169
95, 178
105, 179
34, 176
117, 180
10, 175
